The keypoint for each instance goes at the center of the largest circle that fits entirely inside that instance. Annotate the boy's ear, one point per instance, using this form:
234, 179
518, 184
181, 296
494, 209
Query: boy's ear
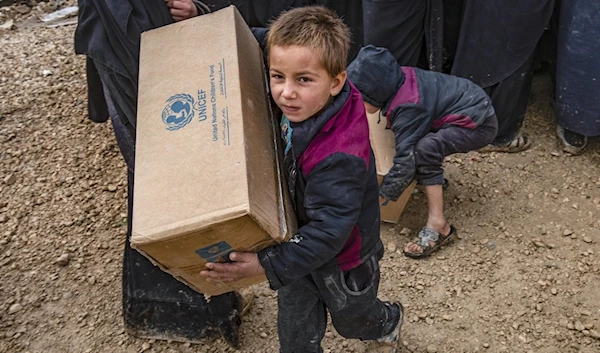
338, 83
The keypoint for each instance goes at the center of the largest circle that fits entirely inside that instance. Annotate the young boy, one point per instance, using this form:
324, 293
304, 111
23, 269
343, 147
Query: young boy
432, 116
331, 264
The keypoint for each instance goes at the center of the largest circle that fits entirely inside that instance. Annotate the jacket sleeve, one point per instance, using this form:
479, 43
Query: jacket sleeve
409, 124
332, 199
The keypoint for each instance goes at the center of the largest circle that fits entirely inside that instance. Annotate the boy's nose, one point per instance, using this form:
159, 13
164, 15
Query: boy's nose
288, 91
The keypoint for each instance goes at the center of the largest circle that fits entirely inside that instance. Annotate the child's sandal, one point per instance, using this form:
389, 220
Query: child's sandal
428, 236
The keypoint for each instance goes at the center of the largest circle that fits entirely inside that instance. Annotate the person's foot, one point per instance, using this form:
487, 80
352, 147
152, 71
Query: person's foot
573, 143
518, 144
391, 342
430, 240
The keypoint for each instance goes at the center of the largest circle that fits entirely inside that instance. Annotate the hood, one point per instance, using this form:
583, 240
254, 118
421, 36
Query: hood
377, 75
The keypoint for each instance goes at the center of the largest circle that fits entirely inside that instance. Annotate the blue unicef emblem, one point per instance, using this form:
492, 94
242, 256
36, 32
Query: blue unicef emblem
218, 252
178, 112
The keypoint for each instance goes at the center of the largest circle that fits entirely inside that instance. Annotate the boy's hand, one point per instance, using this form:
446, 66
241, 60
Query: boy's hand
182, 9
245, 264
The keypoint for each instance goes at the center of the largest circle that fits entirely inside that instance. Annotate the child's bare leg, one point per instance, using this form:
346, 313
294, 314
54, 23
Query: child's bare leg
435, 217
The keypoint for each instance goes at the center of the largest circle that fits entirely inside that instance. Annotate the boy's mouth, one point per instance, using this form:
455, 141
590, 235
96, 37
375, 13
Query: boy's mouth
289, 109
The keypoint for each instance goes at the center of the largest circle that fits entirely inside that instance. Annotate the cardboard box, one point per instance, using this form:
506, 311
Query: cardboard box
206, 178
383, 143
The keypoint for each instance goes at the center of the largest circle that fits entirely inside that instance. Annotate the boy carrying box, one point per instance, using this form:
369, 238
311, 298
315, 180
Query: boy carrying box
432, 115
332, 263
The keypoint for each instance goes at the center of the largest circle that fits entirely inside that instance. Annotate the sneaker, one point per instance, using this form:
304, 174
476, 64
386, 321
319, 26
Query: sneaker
389, 343
573, 142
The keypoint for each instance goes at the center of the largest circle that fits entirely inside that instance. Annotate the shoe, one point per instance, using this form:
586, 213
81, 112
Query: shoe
389, 343
518, 144
573, 143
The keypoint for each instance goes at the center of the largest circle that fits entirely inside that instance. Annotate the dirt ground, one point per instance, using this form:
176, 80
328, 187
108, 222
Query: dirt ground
523, 276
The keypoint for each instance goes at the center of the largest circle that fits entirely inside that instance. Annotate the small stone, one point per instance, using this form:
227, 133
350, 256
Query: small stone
9, 24
405, 231
431, 349
595, 334
491, 245
579, 326
263, 334
10, 179
447, 317
554, 291
486, 345
429, 321
392, 246
587, 240
539, 244
46, 73
3, 218
22, 9
67, 295
111, 188
145, 346
567, 232
14, 308
62, 260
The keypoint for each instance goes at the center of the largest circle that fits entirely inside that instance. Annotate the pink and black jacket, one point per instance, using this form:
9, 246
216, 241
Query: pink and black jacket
415, 102
332, 177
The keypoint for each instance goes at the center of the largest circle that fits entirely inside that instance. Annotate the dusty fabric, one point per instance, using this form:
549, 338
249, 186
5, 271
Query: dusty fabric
350, 298
578, 69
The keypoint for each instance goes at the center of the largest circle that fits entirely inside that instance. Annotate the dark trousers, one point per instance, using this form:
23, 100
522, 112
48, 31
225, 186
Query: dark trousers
351, 299
397, 26
450, 139
510, 97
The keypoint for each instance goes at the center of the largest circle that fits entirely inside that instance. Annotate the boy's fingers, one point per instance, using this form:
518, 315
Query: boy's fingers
178, 13
241, 256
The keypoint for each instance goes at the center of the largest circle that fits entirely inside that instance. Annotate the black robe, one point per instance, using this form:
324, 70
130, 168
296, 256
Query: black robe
495, 44
578, 67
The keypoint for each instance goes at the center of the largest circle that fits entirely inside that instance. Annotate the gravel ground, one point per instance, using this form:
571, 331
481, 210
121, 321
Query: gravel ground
523, 276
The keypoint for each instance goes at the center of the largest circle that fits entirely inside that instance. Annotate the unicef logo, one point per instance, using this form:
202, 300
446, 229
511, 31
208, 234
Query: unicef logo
178, 112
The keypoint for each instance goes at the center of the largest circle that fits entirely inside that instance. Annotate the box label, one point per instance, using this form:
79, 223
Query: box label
218, 252
181, 108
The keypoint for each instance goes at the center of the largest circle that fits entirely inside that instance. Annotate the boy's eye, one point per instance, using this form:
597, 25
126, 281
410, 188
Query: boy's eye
276, 76
304, 79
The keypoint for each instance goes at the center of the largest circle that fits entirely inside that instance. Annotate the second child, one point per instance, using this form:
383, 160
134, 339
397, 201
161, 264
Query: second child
432, 115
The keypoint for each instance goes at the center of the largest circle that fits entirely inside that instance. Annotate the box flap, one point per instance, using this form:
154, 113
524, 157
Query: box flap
383, 143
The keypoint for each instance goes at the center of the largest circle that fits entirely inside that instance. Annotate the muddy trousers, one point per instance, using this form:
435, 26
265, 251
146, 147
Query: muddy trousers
351, 299
433, 147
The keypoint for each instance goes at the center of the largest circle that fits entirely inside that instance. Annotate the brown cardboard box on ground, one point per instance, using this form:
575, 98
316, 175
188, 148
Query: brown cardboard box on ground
383, 144
206, 178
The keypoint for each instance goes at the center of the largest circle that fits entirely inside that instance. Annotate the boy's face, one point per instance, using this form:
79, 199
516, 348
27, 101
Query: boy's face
300, 85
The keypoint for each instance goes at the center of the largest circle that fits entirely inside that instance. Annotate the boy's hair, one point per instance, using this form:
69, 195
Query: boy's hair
316, 27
